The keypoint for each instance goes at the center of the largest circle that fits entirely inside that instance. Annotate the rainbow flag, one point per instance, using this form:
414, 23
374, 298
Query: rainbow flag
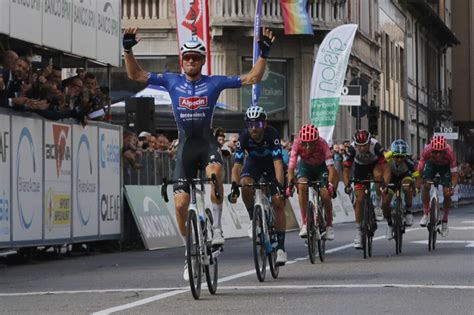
296, 18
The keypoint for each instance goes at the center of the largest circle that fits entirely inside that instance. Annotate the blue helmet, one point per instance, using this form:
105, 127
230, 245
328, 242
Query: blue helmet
400, 147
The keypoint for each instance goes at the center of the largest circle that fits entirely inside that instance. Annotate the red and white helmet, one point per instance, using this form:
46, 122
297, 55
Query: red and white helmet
362, 137
309, 133
438, 143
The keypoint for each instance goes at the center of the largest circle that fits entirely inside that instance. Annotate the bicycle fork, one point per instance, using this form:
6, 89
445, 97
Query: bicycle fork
264, 233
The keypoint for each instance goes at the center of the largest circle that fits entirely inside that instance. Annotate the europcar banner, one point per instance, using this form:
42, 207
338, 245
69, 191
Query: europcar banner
328, 77
192, 22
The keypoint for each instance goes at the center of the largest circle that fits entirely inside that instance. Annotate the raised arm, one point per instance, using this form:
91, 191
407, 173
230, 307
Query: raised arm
134, 71
256, 73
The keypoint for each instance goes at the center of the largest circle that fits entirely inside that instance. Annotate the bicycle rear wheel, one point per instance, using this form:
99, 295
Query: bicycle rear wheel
193, 257
311, 229
274, 269
371, 226
258, 242
322, 232
210, 270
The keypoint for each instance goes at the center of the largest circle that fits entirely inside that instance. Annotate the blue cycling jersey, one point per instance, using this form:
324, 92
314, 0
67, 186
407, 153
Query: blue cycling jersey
267, 150
194, 102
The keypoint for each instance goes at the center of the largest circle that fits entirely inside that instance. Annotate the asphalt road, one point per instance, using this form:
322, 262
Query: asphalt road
141, 282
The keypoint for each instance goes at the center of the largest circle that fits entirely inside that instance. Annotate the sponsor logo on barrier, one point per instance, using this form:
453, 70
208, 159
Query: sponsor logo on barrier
109, 154
109, 207
27, 186
58, 209
4, 146
85, 183
59, 151
156, 224
4, 209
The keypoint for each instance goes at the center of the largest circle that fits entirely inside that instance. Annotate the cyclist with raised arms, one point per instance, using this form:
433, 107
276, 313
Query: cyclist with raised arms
261, 143
193, 96
367, 155
403, 170
315, 161
437, 157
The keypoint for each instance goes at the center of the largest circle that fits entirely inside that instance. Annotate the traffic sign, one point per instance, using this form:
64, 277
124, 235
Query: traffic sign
449, 132
350, 95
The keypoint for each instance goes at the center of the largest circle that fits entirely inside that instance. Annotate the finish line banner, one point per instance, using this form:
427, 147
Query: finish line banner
328, 77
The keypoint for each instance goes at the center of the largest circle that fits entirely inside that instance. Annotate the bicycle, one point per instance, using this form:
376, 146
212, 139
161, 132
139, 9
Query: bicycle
264, 238
398, 215
316, 220
435, 215
200, 254
368, 224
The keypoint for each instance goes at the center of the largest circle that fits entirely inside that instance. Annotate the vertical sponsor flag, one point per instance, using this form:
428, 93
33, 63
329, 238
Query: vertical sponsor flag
328, 77
192, 22
296, 17
256, 49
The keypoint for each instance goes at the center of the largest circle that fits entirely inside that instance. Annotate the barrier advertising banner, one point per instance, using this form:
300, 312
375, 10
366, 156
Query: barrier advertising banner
27, 178
157, 227
4, 17
108, 31
25, 20
5, 147
85, 186
57, 15
328, 77
57, 181
109, 181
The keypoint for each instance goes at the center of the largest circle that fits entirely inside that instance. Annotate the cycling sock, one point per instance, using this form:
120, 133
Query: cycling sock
217, 213
445, 215
303, 215
426, 209
250, 212
281, 240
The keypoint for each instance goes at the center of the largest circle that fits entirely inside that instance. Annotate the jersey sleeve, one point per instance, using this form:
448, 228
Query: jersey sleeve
379, 152
327, 153
161, 79
227, 82
240, 149
293, 155
276, 146
349, 157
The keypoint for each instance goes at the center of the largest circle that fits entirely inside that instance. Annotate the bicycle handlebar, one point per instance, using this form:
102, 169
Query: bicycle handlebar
189, 181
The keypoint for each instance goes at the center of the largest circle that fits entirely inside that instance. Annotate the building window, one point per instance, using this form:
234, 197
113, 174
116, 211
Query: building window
403, 81
387, 62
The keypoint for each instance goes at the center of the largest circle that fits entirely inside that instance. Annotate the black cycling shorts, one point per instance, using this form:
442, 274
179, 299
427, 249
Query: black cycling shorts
192, 155
257, 168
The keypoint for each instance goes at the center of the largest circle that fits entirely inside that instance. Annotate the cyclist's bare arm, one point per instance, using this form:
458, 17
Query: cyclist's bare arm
346, 175
333, 175
134, 71
279, 171
454, 179
256, 73
387, 173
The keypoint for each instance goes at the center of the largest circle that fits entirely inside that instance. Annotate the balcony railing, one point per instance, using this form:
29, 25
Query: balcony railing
236, 11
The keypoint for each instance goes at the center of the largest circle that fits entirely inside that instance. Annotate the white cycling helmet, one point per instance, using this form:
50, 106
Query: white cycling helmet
255, 113
194, 46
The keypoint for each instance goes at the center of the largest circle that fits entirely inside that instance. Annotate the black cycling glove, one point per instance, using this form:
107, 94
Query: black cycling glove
265, 43
129, 40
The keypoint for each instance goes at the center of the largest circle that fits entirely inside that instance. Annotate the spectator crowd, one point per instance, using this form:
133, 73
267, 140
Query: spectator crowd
36, 87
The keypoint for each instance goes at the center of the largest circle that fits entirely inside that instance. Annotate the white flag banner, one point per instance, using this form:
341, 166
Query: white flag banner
192, 22
328, 77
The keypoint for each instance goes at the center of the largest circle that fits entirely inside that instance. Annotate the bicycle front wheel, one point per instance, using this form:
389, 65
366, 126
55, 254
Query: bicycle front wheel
258, 242
311, 232
193, 257
211, 270
397, 227
364, 229
322, 232
434, 209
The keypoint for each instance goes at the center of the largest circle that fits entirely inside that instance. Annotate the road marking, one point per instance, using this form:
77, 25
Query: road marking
466, 242
461, 228
90, 291
349, 286
467, 222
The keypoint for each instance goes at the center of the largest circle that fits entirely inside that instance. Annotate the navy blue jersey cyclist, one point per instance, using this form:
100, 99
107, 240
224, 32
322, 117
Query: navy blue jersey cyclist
194, 97
258, 154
